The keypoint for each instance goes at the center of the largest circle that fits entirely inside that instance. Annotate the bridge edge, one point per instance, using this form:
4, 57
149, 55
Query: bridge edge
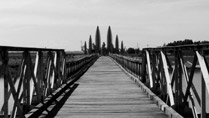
162, 105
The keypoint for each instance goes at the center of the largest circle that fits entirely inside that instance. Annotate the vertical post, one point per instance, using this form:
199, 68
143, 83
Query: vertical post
63, 68
161, 79
38, 72
27, 82
41, 75
154, 72
52, 78
35, 74
205, 82
203, 94
176, 74
203, 100
139, 71
59, 77
5, 96
132, 65
136, 69
143, 70
5, 60
167, 77
24, 83
180, 81
135, 64
149, 69
48, 74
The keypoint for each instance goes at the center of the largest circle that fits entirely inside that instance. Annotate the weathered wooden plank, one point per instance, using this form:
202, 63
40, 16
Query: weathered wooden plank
106, 91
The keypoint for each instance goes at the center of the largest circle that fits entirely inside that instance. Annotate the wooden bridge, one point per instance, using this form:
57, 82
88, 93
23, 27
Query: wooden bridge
49, 83
106, 91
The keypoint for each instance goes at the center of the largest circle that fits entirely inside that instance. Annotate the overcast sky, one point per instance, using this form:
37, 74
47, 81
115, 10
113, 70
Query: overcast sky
65, 23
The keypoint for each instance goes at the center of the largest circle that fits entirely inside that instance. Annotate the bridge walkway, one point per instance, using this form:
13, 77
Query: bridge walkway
105, 91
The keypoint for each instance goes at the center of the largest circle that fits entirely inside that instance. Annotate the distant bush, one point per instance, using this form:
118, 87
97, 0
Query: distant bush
131, 51
186, 42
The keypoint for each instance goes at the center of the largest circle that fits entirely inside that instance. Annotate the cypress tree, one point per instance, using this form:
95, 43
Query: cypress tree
121, 49
90, 45
98, 40
109, 40
85, 48
103, 50
117, 44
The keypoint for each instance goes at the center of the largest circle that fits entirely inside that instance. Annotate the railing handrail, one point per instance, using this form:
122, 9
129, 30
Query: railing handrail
189, 46
16, 48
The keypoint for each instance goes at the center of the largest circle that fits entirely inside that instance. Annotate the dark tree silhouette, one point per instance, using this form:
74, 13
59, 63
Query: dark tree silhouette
131, 51
109, 41
98, 40
204, 42
137, 50
90, 45
104, 50
117, 45
85, 48
112, 48
180, 42
94, 47
185, 42
122, 48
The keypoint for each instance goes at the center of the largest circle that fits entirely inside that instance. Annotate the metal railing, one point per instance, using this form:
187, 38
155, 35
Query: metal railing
32, 74
169, 73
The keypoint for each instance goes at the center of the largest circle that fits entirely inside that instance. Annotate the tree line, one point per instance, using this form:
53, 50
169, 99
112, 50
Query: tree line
185, 42
108, 47
105, 48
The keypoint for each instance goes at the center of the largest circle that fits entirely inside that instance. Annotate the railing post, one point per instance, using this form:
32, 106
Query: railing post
168, 80
149, 69
178, 81
204, 83
203, 99
26, 83
155, 82
39, 75
64, 71
143, 70
139, 70
5, 59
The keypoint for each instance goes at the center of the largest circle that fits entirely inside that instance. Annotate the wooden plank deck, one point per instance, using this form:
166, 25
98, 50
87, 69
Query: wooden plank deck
105, 91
